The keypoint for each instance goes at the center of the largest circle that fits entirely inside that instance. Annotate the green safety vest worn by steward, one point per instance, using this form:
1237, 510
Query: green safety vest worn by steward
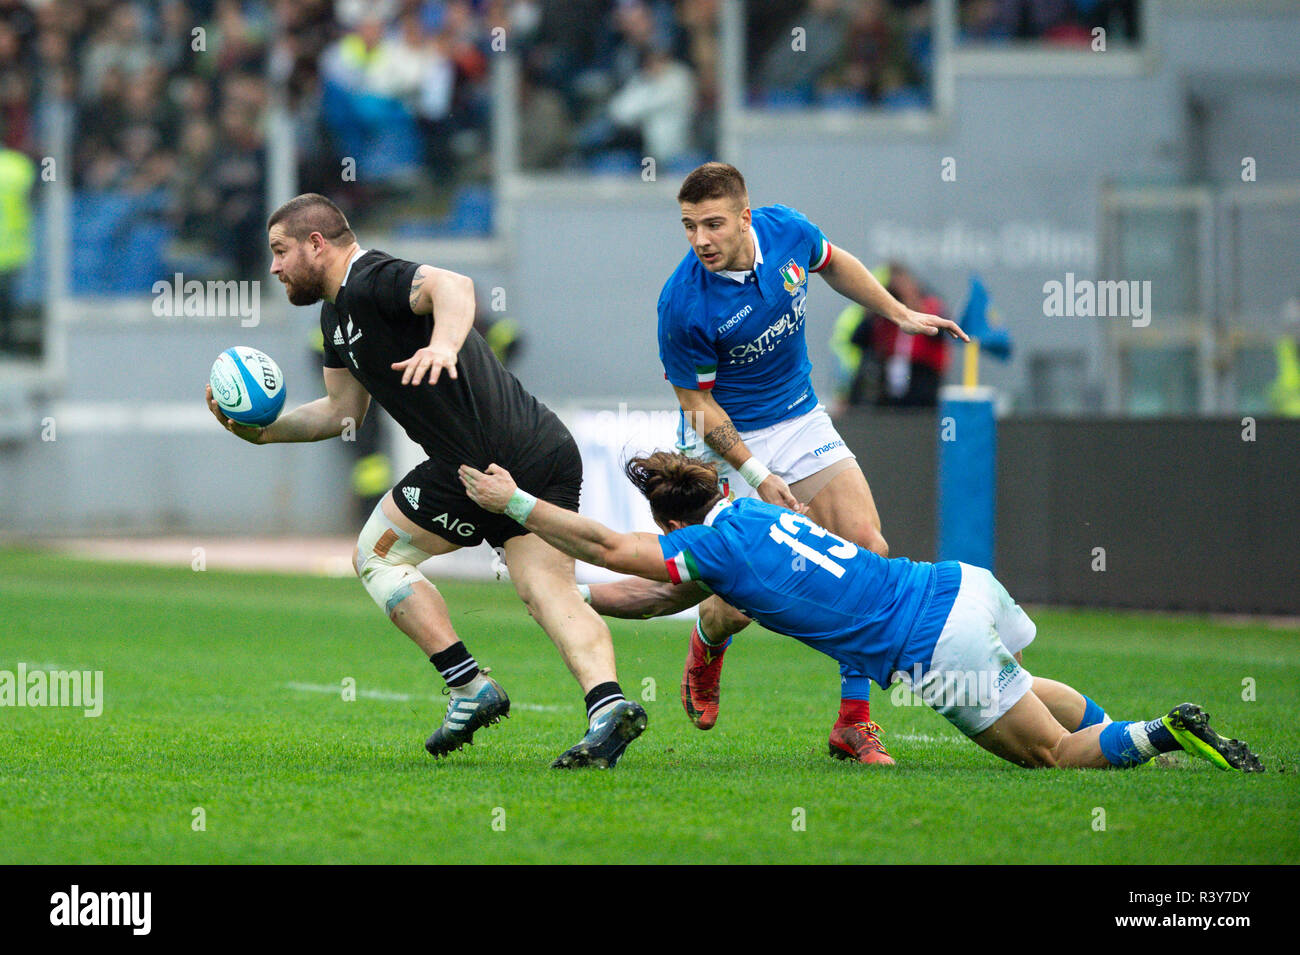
17, 173
1286, 387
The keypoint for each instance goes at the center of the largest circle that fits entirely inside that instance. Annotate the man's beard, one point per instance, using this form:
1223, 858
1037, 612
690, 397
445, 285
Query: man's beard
307, 290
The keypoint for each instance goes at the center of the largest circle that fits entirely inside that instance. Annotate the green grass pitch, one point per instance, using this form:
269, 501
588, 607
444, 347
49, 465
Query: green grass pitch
223, 692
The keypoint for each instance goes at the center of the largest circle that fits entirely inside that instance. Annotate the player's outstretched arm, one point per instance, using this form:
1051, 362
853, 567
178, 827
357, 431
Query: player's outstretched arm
848, 276
449, 297
581, 537
635, 598
345, 402
713, 424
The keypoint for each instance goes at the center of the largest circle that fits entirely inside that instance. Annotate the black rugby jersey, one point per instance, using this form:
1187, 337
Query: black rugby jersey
483, 416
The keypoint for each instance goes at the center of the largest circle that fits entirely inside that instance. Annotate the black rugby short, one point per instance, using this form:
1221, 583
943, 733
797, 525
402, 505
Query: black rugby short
432, 496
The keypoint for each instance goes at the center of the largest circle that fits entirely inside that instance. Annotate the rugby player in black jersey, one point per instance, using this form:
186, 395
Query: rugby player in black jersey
401, 333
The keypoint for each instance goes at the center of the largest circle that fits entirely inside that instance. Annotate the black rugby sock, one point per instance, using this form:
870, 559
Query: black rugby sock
602, 695
455, 664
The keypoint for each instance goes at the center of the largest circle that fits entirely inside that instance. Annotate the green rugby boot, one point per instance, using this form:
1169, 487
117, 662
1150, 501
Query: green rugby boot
1190, 726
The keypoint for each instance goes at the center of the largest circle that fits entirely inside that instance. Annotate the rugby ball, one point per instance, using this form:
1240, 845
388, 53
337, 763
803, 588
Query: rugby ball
248, 386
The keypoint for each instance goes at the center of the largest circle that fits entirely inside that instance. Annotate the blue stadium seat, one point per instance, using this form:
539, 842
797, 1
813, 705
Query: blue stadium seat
841, 99
921, 49
618, 162
685, 163
141, 260
470, 217
120, 242
377, 131
784, 98
471, 211
908, 97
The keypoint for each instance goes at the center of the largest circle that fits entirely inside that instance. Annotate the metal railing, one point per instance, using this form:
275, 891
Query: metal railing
1208, 347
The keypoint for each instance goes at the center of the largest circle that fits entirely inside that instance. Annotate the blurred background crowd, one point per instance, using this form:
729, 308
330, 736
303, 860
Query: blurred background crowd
388, 102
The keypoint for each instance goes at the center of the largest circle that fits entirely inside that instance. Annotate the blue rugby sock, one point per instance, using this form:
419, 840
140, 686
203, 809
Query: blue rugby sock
854, 686
1118, 747
1092, 714
1126, 743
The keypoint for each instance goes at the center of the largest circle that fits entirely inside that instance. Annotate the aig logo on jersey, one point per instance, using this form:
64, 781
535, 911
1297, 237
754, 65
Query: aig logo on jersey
451, 524
793, 275
454, 525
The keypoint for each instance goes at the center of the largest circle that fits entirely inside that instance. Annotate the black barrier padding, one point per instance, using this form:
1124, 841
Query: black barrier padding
1190, 515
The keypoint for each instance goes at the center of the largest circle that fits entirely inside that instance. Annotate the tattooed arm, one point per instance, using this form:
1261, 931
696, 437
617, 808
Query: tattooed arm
449, 297
705, 415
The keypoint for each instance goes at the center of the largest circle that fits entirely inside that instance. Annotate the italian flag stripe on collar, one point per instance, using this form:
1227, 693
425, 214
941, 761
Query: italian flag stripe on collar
705, 376
823, 256
682, 568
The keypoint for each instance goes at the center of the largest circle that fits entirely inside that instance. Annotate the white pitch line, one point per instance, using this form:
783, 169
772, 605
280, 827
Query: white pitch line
392, 697
923, 738
368, 694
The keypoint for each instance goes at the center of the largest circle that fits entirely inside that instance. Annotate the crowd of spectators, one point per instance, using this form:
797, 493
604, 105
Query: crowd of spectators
389, 101
878, 53
164, 104
167, 103
607, 83
1068, 23
839, 53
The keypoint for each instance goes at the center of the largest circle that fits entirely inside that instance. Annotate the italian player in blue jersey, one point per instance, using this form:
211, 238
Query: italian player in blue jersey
731, 339
939, 627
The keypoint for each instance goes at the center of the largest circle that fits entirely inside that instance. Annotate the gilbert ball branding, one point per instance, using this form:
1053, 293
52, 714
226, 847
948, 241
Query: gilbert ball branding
248, 386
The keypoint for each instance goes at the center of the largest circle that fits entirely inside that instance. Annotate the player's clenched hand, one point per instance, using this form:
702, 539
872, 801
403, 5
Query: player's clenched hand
775, 491
919, 323
250, 433
431, 359
491, 490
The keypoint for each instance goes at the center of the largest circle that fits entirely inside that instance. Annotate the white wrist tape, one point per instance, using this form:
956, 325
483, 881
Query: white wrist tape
754, 472
520, 505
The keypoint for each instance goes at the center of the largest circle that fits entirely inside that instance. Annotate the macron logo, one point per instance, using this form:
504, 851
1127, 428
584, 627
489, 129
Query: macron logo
735, 318
103, 908
412, 495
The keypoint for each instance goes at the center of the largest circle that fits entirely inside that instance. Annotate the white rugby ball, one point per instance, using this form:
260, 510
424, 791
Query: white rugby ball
247, 385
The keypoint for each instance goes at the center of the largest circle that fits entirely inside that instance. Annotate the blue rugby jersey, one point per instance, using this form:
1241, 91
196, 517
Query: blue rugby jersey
872, 614
745, 340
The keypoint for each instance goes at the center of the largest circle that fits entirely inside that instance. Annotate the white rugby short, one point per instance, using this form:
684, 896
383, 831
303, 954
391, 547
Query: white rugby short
973, 677
793, 450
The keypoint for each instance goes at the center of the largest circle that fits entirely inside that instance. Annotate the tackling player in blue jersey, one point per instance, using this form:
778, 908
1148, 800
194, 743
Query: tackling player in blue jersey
939, 627
731, 338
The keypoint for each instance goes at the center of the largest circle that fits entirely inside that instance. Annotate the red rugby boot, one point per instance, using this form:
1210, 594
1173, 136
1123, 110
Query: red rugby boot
860, 742
700, 681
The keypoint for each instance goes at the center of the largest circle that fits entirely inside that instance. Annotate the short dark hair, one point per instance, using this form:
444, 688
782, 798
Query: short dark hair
713, 180
312, 212
679, 488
